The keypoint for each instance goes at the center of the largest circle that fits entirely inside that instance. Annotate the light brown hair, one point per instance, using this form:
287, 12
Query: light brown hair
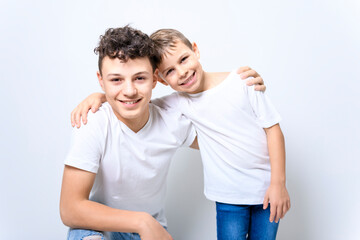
166, 39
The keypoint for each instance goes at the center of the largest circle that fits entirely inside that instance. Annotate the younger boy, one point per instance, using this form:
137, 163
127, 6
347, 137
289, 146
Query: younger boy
241, 143
115, 173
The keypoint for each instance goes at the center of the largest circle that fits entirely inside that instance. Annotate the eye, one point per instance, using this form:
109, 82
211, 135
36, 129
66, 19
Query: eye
140, 78
169, 71
115, 80
184, 59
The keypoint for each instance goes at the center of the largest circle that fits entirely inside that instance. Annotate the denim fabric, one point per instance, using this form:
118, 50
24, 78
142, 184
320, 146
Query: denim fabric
244, 222
80, 234
124, 236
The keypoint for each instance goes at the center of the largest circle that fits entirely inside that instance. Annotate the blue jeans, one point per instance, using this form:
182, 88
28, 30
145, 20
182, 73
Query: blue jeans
83, 234
241, 222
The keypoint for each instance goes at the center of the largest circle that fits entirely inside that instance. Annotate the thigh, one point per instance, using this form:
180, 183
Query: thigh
260, 226
232, 221
84, 234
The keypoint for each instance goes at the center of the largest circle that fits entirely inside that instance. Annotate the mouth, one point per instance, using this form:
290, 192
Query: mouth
190, 80
130, 103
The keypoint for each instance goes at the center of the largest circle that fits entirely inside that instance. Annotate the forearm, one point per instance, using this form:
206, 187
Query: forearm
276, 147
77, 211
92, 215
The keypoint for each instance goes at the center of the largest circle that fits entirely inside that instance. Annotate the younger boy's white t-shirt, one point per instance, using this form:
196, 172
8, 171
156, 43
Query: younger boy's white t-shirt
230, 120
131, 168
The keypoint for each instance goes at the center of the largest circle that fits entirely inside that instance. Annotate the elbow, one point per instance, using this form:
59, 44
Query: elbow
68, 216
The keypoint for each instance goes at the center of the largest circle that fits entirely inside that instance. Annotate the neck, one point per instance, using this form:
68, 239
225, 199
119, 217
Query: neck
135, 124
212, 79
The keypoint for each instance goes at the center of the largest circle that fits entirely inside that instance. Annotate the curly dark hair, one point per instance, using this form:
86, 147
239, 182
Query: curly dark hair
126, 43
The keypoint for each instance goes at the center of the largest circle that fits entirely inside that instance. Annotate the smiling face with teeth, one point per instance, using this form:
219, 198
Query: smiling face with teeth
128, 88
180, 68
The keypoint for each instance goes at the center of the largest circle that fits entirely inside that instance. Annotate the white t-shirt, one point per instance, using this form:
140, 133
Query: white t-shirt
131, 168
229, 120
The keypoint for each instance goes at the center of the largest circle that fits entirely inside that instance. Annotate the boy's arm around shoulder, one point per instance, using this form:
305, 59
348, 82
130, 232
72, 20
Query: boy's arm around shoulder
170, 101
255, 78
277, 193
93, 102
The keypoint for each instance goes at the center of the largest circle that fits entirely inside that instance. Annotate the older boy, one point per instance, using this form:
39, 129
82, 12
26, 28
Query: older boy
115, 173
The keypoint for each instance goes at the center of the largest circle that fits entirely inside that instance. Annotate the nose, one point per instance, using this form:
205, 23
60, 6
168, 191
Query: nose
182, 72
129, 89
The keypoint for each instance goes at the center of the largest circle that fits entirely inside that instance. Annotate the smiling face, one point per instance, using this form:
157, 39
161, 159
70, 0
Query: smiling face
128, 88
180, 68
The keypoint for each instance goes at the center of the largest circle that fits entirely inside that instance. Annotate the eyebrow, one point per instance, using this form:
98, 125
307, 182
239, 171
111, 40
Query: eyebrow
142, 72
181, 57
119, 75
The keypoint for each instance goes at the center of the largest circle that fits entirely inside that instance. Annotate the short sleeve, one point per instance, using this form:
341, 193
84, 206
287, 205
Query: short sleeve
178, 125
266, 113
186, 131
87, 143
167, 102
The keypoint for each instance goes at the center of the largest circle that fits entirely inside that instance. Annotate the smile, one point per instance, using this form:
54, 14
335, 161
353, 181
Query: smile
190, 80
129, 103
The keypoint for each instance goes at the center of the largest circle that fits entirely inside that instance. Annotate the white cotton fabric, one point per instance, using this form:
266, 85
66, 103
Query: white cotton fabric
229, 120
131, 168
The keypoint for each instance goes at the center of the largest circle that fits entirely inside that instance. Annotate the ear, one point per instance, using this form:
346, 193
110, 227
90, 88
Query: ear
159, 77
101, 81
196, 50
155, 78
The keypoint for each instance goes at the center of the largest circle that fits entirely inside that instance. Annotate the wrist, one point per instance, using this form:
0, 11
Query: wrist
278, 182
144, 221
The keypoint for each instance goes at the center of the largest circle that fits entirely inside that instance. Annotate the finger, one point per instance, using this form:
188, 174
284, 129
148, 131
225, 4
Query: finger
243, 69
285, 209
289, 204
77, 119
84, 116
255, 81
249, 73
279, 212
72, 119
261, 88
266, 202
272, 213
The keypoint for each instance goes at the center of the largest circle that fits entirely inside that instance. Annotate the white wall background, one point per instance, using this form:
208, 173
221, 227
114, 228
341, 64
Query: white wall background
308, 53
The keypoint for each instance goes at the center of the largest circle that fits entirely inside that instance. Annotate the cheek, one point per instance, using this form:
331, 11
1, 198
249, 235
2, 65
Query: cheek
172, 81
196, 64
145, 90
112, 90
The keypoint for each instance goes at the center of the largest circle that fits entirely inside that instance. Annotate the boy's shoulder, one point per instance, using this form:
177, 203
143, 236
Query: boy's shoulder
171, 122
221, 79
100, 119
104, 112
168, 102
